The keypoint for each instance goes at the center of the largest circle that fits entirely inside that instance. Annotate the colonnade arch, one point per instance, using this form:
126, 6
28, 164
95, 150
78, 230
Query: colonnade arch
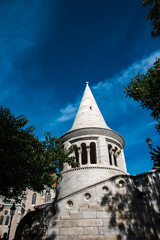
86, 154
113, 153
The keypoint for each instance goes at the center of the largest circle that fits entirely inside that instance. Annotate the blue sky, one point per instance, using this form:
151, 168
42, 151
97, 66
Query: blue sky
50, 48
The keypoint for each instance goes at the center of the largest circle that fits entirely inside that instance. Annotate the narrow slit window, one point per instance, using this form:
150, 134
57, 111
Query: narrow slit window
1, 220
76, 153
48, 197
7, 220
84, 153
34, 196
110, 154
115, 157
93, 153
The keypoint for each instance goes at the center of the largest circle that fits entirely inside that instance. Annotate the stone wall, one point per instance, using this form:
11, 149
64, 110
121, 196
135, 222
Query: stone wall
122, 207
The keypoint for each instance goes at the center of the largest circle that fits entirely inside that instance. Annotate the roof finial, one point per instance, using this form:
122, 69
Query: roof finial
87, 83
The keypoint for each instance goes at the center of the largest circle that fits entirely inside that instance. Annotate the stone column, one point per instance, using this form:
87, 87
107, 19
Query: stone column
80, 156
88, 155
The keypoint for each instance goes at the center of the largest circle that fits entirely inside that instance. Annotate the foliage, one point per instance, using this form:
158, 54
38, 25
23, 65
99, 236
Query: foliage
145, 88
155, 156
154, 15
24, 160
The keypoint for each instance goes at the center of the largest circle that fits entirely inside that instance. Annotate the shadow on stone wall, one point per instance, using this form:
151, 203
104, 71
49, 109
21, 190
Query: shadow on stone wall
34, 224
135, 213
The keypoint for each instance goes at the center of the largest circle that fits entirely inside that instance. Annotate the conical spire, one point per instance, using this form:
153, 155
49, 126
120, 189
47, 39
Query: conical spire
88, 114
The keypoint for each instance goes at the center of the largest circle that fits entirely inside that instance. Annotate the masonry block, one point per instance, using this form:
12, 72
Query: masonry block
70, 223
76, 215
91, 237
71, 237
71, 231
89, 222
95, 207
89, 214
91, 230
57, 223
102, 214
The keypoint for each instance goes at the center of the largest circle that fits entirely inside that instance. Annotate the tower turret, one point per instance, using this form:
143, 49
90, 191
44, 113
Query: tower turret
98, 149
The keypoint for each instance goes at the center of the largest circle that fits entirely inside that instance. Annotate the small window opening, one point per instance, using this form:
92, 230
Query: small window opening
84, 153
90, 107
34, 198
115, 158
110, 154
7, 220
76, 153
48, 197
1, 220
93, 153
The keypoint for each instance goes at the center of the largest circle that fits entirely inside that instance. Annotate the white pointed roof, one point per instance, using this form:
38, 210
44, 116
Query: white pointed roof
88, 114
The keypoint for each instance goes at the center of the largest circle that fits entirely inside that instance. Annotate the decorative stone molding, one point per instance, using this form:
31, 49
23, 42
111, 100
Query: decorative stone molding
84, 168
93, 131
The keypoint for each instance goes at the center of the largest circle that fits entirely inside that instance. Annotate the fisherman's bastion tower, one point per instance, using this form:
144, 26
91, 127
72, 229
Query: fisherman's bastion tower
98, 199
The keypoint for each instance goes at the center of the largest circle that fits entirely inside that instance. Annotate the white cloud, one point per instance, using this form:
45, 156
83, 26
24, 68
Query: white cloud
126, 74
110, 93
67, 113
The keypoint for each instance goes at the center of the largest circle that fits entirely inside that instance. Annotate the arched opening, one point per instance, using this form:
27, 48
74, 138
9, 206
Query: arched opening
93, 153
115, 157
1, 220
7, 220
110, 154
76, 153
48, 197
84, 153
34, 198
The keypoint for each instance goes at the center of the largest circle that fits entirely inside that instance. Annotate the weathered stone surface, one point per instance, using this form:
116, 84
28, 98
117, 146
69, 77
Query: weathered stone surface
91, 237
89, 222
91, 230
112, 238
52, 231
102, 214
95, 207
89, 214
75, 215
70, 230
70, 223
70, 237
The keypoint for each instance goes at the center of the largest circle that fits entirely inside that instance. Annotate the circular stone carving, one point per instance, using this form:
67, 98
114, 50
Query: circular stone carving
121, 183
69, 204
87, 196
105, 189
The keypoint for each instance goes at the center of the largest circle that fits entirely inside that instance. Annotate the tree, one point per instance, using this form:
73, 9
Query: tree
145, 88
155, 156
154, 15
24, 160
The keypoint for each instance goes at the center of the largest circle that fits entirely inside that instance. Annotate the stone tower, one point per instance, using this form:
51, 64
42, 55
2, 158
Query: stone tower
98, 149
98, 200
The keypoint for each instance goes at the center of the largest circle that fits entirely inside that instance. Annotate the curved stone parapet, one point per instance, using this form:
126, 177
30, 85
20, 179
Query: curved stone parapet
74, 180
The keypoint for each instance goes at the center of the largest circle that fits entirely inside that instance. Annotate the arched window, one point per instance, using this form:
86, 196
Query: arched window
48, 197
1, 220
76, 153
34, 198
84, 153
110, 154
7, 220
93, 153
115, 157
